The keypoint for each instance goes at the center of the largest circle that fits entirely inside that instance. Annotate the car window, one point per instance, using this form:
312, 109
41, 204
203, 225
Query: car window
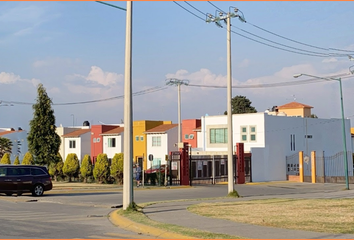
12, 172
37, 171
23, 171
3, 172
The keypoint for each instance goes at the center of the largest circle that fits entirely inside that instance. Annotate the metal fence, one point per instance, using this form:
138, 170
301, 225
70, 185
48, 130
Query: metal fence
333, 166
213, 169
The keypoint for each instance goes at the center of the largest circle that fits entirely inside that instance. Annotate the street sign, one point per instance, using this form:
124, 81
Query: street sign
151, 157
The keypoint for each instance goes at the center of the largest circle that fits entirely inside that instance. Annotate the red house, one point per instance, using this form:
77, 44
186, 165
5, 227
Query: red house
97, 139
189, 131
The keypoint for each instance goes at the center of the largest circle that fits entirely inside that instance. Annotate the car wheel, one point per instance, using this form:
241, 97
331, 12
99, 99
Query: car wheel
8, 194
19, 193
38, 190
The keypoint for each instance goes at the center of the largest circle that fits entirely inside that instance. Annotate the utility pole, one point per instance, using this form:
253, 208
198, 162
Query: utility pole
227, 19
178, 83
128, 197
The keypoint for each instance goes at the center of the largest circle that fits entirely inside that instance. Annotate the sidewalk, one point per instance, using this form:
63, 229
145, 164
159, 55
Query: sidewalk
176, 213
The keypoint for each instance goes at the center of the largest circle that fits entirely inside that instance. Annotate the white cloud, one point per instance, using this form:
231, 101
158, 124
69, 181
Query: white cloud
244, 64
104, 78
9, 78
330, 60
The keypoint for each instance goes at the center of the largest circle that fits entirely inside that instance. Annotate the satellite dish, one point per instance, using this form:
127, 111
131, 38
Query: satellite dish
307, 159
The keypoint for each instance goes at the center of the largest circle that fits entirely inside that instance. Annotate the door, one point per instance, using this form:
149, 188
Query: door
24, 179
4, 185
11, 180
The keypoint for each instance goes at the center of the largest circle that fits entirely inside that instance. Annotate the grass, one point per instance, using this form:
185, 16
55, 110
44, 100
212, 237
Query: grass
319, 215
139, 217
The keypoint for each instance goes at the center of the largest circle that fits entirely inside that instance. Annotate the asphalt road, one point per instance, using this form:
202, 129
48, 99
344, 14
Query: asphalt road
70, 214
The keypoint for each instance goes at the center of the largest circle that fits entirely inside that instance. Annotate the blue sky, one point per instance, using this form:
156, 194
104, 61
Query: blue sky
76, 49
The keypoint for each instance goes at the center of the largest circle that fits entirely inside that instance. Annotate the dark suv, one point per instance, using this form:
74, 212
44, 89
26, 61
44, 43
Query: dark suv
24, 178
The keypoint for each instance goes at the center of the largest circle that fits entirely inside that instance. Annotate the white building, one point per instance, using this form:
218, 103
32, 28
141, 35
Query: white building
160, 141
271, 138
113, 141
78, 142
19, 142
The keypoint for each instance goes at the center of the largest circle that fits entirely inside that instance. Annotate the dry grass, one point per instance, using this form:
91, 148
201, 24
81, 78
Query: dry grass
319, 215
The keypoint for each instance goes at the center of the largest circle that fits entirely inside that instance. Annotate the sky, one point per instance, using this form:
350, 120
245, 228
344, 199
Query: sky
77, 51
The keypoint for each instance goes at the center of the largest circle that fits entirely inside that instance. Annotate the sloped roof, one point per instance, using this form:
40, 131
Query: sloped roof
8, 132
77, 133
161, 128
114, 131
294, 105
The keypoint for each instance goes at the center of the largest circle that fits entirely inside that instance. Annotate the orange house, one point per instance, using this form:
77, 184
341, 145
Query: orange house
189, 133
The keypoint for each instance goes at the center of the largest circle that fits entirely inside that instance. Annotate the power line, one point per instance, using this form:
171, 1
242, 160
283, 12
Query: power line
302, 51
289, 39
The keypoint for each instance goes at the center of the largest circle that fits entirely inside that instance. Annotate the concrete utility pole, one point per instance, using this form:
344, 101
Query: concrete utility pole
128, 197
178, 83
227, 18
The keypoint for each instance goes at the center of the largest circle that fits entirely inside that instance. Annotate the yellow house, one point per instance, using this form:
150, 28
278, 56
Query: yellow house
296, 109
139, 139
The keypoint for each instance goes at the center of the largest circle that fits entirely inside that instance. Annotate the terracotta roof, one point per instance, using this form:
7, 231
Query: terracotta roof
294, 105
76, 133
8, 132
162, 128
114, 131
198, 129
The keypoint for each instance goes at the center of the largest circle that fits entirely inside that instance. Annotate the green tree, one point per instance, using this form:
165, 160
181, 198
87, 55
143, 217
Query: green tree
71, 166
5, 146
313, 116
117, 167
241, 104
43, 141
17, 161
86, 167
28, 159
56, 169
6, 159
101, 169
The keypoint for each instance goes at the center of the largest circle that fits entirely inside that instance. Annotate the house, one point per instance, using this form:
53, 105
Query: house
139, 139
78, 142
19, 142
113, 141
295, 109
190, 127
160, 141
96, 139
270, 139
61, 131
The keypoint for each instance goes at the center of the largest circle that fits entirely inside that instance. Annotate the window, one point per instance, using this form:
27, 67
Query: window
136, 138
243, 133
308, 136
253, 133
24, 171
156, 162
98, 139
141, 138
156, 141
3, 172
292, 142
186, 136
191, 136
111, 142
72, 144
218, 135
94, 140
37, 171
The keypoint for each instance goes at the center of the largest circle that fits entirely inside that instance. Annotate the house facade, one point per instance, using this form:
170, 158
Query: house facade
271, 138
78, 142
190, 128
139, 139
113, 141
160, 141
97, 139
19, 142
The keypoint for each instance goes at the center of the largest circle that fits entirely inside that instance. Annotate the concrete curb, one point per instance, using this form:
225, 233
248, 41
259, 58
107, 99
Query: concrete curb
260, 183
139, 228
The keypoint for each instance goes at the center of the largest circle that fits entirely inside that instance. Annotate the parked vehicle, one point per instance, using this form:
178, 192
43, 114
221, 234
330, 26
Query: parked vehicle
23, 179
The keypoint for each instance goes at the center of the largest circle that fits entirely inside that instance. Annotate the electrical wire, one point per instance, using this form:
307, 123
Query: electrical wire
289, 39
188, 11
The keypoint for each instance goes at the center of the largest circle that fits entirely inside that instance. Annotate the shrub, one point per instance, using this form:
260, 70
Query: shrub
56, 169
86, 167
5, 159
28, 159
101, 169
17, 161
71, 166
117, 167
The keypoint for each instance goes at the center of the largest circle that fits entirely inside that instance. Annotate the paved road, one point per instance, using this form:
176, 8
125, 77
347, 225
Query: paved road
59, 214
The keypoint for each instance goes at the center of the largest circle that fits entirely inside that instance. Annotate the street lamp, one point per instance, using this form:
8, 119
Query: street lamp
343, 122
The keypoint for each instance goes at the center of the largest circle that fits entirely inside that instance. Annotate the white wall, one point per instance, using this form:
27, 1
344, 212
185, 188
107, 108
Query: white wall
76, 150
111, 151
156, 151
172, 138
65, 130
22, 137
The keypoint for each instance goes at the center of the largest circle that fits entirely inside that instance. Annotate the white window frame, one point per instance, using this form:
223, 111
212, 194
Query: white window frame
72, 144
243, 133
253, 133
156, 141
112, 140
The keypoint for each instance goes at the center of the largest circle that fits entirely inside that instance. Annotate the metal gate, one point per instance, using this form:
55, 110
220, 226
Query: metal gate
175, 169
292, 165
